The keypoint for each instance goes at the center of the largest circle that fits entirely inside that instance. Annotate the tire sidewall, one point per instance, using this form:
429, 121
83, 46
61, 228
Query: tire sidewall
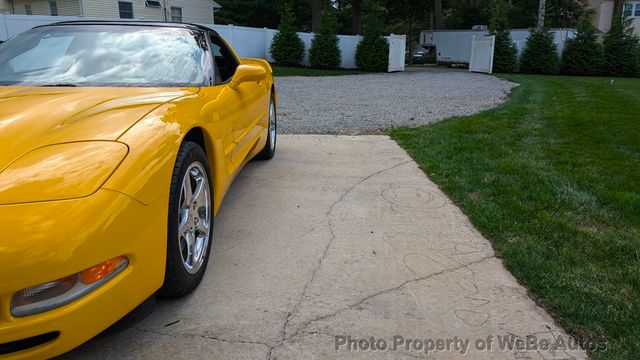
177, 280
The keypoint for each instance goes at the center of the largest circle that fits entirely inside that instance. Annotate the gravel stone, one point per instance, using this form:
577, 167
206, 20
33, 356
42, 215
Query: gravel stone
366, 104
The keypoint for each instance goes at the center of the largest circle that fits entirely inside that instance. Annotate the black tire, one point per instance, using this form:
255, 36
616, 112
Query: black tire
178, 281
270, 147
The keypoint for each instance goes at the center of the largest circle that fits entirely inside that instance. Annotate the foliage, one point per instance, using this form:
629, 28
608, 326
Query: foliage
550, 178
407, 17
401, 17
372, 53
622, 49
262, 13
505, 56
463, 14
287, 48
583, 55
540, 55
325, 52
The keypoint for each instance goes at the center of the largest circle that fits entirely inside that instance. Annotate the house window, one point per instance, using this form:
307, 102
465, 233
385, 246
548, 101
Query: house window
153, 3
53, 8
28, 10
126, 10
632, 9
176, 14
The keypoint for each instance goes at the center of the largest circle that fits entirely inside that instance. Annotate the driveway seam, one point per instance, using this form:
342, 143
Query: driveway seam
333, 237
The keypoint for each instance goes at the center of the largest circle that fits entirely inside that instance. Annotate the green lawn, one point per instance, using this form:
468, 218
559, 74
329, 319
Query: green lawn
552, 178
302, 71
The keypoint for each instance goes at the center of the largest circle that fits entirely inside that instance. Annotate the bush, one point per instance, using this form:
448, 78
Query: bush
583, 55
287, 48
540, 55
372, 53
505, 53
325, 52
622, 49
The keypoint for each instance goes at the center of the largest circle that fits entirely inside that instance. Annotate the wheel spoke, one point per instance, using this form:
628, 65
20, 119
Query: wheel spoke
190, 240
203, 227
187, 190
183, 226
200, 195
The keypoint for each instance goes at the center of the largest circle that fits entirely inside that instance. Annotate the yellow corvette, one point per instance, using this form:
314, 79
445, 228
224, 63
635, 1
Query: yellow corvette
118, 142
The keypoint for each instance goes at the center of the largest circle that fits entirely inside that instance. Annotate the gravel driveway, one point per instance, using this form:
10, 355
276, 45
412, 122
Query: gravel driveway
360, 104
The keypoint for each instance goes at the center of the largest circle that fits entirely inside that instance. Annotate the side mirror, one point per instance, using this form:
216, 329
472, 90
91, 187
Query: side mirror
247, 73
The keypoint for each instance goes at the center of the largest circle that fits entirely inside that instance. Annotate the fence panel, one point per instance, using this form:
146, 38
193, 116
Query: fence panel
482, 54
397, 49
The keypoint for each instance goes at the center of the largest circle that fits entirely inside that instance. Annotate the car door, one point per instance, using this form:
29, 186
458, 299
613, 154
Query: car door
246, 102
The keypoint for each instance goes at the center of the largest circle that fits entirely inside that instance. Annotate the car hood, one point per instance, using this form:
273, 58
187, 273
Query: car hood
32, 117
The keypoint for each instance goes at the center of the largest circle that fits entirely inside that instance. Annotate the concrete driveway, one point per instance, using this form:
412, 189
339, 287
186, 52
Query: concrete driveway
339, 236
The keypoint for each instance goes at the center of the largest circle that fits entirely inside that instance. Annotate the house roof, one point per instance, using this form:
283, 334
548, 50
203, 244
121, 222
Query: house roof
216, 5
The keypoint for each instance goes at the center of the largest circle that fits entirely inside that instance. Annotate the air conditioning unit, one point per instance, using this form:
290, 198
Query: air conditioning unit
153, 3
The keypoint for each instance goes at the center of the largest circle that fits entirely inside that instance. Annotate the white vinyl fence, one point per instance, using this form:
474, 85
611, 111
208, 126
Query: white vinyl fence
482, 49
454, 46
246, 41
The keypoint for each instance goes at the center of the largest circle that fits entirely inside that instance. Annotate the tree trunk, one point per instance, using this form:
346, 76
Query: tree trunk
316, 8
356, 17
410, 41
617, 9
438, 22
541, 12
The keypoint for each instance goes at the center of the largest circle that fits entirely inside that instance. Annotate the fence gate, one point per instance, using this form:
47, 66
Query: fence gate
482, 54
397, 48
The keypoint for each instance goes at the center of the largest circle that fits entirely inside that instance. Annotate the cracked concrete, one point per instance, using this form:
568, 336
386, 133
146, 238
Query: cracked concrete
338, 236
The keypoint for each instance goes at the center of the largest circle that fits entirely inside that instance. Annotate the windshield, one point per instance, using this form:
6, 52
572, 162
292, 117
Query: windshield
106, 55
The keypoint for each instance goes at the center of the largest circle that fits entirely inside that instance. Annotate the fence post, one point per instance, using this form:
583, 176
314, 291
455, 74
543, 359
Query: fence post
267, 45
6, 28
231, 35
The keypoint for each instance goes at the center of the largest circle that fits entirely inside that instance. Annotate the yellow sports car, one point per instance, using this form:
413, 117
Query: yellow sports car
118, 142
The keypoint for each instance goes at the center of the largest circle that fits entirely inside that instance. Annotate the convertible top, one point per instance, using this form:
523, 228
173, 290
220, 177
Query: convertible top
132, 23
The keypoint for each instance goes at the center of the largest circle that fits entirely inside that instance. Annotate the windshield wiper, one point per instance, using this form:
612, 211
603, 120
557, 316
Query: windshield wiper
59, 85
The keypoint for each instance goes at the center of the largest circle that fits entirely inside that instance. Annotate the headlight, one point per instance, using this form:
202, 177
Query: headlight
58, 172
54, 294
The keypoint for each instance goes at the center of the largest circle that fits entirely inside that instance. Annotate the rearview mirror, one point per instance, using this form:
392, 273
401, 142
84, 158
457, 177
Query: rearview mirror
247, 73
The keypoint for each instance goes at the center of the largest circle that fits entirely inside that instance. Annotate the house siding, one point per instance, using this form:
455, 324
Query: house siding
5, 6
193, 11
604, 13
41, 7
68, 7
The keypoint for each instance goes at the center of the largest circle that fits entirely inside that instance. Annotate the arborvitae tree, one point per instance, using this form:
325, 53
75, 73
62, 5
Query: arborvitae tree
540, 55
622, 48
505, 54
372, 53
583, 55
325, 52
287, 48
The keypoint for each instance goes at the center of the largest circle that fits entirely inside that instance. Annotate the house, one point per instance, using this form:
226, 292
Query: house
191, 11
5, 6
604, 14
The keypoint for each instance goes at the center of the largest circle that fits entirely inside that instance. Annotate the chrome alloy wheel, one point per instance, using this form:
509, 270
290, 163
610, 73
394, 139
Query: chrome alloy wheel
194, 223
272, 124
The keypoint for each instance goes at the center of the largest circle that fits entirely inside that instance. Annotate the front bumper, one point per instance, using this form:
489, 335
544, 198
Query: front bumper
45, 241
